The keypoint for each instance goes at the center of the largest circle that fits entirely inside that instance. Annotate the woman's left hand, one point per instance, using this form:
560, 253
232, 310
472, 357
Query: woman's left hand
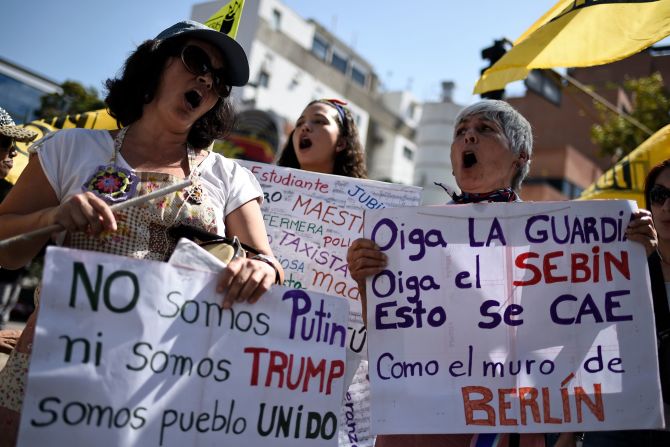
641, 229
8, 340
245, 280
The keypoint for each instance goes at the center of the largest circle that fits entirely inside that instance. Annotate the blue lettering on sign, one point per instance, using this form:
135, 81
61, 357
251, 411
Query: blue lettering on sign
365, 198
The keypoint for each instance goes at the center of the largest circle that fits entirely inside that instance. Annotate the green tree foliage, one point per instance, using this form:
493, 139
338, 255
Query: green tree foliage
75, 99
651, 107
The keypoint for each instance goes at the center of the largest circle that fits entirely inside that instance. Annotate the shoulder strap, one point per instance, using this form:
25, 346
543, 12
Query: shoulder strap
198, 236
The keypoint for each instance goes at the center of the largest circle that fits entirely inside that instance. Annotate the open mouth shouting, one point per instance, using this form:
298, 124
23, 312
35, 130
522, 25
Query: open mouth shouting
469, 159
305, 143
193, 98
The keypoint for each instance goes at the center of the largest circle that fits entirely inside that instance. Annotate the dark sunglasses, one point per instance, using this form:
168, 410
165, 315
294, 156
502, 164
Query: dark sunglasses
659, 194
6, 143
197, 61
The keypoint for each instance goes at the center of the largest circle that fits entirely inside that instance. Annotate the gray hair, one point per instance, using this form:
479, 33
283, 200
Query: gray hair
516, 128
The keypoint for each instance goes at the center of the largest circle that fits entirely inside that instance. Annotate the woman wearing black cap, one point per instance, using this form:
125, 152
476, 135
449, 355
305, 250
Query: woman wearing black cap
172, 99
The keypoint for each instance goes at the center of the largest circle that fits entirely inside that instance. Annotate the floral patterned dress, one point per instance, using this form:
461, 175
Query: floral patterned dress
143, 233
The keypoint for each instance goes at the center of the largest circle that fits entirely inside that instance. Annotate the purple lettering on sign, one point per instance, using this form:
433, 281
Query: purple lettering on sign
584, 230
386, 234
495, 233
325, 331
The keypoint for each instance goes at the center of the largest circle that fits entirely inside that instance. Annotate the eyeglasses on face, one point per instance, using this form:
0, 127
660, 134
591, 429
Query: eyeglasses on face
7, 144
196, 60
659, 194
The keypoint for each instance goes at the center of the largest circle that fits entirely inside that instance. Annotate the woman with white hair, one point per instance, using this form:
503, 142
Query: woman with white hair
491, 152
490, 155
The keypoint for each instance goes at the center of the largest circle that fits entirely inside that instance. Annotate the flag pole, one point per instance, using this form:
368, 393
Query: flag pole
117, 207
604, 102
595, 96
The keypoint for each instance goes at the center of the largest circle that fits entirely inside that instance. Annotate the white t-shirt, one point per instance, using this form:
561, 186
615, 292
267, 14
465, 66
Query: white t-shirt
69, 158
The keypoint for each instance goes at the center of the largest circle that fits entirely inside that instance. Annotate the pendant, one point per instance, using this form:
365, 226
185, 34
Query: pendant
112, 183
195, 194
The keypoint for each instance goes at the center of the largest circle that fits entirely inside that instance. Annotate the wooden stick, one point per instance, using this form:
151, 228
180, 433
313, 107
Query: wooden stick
117, 207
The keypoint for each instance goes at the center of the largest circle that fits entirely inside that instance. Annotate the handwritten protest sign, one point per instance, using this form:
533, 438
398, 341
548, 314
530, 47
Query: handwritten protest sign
311, 219
355, 413
525, 317
140, 353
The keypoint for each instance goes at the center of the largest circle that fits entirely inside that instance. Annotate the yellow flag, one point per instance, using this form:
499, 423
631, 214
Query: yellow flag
227, 19
626, 179
581, 33
97, 119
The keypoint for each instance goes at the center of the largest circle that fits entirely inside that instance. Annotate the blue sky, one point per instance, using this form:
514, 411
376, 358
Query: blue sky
414, 44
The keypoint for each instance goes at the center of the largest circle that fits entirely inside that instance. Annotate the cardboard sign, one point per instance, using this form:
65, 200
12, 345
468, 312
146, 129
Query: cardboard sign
141, 353
311, 220
524, 317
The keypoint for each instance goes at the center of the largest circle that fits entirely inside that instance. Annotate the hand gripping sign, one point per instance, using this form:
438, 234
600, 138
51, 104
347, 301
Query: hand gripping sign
524, 317
138, 353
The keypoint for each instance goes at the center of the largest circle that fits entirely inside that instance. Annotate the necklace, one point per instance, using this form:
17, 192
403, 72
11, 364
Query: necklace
194, 193
111, 182
114, 183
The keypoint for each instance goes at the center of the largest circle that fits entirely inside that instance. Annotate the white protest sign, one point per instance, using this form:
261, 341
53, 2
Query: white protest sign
140, 353
524, 317
311, 220
355, 414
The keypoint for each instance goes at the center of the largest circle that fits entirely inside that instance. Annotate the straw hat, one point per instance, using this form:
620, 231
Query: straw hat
9, 129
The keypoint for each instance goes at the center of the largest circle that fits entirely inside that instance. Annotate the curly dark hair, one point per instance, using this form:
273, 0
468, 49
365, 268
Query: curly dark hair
650, 181
139, 81
349, 162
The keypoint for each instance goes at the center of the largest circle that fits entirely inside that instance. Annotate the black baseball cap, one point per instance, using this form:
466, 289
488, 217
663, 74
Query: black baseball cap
232, 52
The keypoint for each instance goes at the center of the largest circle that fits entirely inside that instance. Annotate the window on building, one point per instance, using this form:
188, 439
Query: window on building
569, 189
408, 153
358, 75
339, 61
320, 47
276, 19
263, 78
566, 187
19, 99
411, 110
355, 117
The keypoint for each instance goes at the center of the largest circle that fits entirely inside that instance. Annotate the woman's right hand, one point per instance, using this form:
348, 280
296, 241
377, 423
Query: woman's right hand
84, 212
365, 258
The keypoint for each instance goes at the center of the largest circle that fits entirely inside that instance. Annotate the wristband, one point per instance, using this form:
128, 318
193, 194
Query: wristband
268, 260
